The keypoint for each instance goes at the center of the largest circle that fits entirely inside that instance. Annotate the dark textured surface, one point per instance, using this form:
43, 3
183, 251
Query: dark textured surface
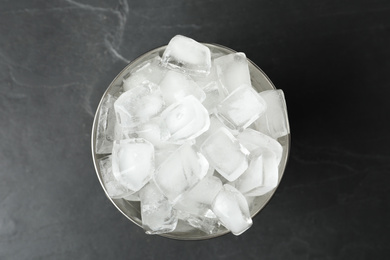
331, 58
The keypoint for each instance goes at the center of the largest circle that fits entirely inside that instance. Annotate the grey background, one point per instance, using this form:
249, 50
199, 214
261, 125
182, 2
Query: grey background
331, 58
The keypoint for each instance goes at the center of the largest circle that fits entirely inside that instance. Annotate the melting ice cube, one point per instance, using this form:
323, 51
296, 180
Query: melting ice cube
185, 119
181, 171
232, 71
274, 122
231, 207
225, 154
139, 104
150, 70
241, 108
187, 55
175, 86
133, 162
157, 213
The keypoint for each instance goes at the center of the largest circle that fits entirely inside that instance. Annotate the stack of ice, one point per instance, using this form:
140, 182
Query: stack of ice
190, 138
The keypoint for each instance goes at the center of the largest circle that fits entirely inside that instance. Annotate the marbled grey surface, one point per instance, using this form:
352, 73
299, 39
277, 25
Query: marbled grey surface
331, 58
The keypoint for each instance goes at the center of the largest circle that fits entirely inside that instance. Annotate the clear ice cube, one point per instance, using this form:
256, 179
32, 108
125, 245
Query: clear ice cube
139, 104
185, 119
274, 122
149, 70
133, 162
241, 108
175, 86
206, 222
231, 208
233, 71
112, 186
181, 171
187, 55
105, 133
253, 140
157, 213
225, 154
270, 174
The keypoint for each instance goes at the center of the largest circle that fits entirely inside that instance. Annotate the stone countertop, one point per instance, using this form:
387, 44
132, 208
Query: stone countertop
331, 58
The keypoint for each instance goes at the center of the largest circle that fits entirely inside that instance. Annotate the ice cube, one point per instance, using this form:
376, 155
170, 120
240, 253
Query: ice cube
112, 186
133, 162
175, 86
215, 124
274, 122
204, 192
187, 55
206, 222
154, 132
241, 108
149, 70
213, 96
252, 177
270, 175
231, 207
162, 153
195, 206
105, 133
181, 171
185, 119
253, 140
157, 213
233, 71
225, 154
139, 104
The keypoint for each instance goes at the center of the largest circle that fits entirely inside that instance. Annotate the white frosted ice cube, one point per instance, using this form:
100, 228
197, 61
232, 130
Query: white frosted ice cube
215, 124
112, 186
252, 177
133, 162
225, 154
157, 213
139, 104
175, 86
187, 55
270, 175
181, 171
149, 70
105, 133
231, 207
213, 96
204, 192
185, 119
241, 108
233, 71
274, 122
253, 140
154, 132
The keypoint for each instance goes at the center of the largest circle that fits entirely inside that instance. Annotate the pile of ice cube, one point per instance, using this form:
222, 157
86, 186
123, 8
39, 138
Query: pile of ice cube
191, 139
